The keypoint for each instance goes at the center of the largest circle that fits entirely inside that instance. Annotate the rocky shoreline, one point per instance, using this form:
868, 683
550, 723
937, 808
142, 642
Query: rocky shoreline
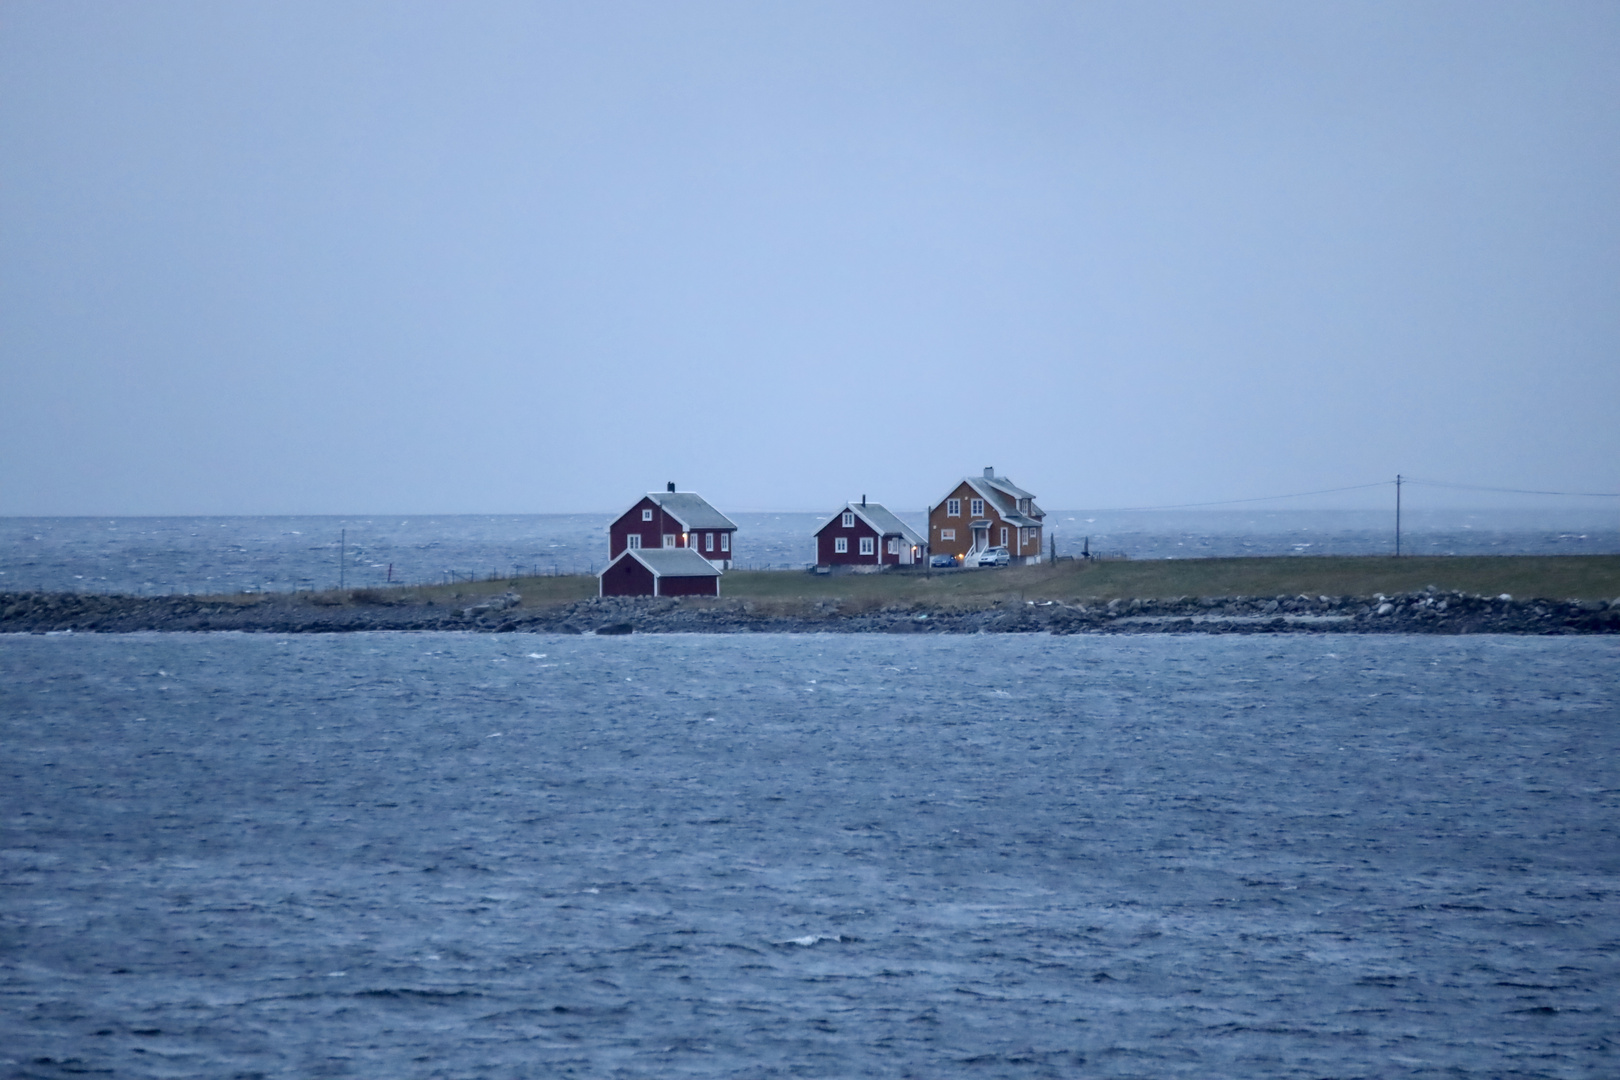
1426, 612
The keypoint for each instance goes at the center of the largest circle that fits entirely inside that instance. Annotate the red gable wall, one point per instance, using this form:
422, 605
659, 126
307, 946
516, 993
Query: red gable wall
652, 532
826, 556
627, 577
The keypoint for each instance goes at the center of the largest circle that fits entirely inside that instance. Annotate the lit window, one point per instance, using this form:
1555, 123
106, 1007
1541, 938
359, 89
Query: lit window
708, 541
849, 521
953, 507
633, 540
646, 515
840, 545
947, 534
976, 507
867, 547
669, 539
725, 541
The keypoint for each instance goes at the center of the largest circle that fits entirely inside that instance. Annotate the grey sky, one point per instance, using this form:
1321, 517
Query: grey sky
327, 257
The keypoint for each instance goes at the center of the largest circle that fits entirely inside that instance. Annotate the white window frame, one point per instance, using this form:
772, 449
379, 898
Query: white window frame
868, 547
633, 541
725, 542
708, 541
894, 545
976, 508
953, 507
669, 540
646, 515
840, 545
1004, 536
849, 519
947, 534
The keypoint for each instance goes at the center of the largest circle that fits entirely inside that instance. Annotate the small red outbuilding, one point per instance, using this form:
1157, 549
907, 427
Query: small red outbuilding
659, 572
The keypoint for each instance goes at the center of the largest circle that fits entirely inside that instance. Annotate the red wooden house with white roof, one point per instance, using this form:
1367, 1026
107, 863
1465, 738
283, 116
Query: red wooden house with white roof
674, 519
867, 534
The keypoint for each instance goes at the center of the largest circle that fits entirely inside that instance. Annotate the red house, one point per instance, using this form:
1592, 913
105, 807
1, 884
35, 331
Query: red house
674, 519
659, 572
866, 534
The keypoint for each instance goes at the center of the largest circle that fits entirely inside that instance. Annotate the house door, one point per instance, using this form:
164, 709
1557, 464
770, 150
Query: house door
981, 538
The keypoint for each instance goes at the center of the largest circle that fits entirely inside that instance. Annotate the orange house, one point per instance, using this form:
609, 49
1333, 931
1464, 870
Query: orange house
984, 512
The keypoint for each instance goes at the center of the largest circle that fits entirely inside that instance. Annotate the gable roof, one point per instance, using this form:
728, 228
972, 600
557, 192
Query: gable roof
669, 562
880, 519
1001, 483
691, 510
1003, 494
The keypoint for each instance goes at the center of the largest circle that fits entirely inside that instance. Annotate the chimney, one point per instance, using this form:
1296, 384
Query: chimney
672, 485
863, 500
989, 473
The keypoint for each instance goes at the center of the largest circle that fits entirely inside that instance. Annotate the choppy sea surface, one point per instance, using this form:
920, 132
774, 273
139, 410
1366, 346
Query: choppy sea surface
419, 855
235, 554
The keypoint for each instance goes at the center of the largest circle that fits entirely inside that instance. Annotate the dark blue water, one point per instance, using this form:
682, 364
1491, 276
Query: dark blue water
233, 554
818, 856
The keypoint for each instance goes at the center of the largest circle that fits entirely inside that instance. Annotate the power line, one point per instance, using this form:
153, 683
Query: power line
1233, 502
1515, 491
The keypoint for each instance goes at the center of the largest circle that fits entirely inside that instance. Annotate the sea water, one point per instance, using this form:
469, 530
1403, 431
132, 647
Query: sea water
232, 554
421, 855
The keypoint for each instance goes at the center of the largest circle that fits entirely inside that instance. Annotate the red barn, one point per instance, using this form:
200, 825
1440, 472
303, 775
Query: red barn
674, 519
659, 572
866, 534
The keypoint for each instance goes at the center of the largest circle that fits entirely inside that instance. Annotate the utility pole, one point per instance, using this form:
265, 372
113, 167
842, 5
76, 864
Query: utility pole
1397, 515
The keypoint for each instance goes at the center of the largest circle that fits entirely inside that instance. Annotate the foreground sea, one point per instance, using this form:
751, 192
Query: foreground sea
504, 856
148, 556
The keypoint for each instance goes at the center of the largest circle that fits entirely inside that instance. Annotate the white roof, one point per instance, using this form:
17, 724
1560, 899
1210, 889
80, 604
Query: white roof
880, 519
1003, 495
691, 510
669, 562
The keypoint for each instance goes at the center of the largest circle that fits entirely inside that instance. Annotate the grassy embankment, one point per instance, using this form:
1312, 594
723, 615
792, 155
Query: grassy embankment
1553, 577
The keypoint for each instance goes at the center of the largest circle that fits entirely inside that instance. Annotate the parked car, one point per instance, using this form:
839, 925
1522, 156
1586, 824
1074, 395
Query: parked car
996, 556
942, 561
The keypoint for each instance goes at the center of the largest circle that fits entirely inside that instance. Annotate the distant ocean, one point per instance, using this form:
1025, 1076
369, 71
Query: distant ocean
146, 555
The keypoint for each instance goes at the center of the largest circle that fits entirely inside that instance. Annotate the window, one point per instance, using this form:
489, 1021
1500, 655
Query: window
976, 507
947, 534
633, 540
894, 545
725, 541
840, 545
849, 520
646, 515
953, 507
669, 539
708, 541
867, 547
1004, 536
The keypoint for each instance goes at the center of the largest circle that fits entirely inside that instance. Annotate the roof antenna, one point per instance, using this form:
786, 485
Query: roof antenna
672, 485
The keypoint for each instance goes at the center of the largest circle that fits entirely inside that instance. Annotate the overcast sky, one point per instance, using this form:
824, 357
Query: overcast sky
528, 257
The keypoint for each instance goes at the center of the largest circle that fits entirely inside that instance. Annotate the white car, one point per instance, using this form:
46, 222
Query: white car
996, 556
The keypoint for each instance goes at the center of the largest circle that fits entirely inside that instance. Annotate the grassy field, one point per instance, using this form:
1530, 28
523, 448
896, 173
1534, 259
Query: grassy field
1524, 576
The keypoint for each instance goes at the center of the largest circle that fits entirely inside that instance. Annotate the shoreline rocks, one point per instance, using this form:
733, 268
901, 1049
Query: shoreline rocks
1425, 612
